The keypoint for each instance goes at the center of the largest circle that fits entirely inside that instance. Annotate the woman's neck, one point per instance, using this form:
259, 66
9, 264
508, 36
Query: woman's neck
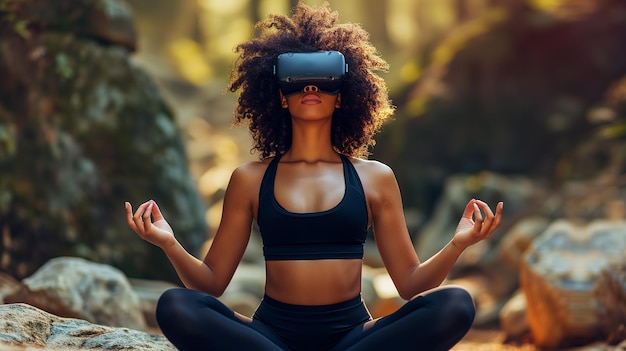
311, 144
293, 155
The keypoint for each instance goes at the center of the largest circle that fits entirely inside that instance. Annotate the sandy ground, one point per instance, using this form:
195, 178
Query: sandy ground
488, 340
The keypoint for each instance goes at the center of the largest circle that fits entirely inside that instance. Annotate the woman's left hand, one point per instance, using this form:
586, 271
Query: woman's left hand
473, 227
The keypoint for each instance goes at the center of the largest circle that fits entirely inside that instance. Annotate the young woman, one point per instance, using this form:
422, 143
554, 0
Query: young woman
314, 197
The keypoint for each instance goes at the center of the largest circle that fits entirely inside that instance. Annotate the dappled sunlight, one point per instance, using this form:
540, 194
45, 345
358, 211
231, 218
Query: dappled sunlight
460, 36
547, 5
221, 8
187, 57
570, 10
489, 340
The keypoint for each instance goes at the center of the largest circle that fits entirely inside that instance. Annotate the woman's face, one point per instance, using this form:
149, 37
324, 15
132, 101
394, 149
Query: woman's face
311, 103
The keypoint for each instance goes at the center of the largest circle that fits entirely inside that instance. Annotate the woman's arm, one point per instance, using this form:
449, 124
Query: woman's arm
214, 273
411, 276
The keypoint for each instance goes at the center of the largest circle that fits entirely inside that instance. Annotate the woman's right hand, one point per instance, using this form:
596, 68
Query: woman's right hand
157, 232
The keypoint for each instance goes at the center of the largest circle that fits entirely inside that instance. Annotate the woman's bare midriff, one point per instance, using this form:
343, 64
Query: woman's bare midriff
313, 282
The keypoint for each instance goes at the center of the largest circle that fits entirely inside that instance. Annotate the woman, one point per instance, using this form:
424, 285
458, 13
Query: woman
314, 199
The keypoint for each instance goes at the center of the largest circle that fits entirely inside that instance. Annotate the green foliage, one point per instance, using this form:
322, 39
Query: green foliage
615, 130
10, 19
7, 142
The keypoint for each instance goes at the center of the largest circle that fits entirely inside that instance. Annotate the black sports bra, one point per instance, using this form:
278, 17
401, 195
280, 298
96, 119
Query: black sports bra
337, 233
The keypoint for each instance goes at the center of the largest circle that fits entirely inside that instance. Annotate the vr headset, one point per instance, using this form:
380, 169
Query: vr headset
324, 69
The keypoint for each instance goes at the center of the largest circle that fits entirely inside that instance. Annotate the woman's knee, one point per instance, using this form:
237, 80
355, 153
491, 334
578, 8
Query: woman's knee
177, 305
180, 304
167, 304
457, 303
170, 298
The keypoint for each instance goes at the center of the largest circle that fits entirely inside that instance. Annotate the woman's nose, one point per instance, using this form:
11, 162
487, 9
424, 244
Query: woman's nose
311, 89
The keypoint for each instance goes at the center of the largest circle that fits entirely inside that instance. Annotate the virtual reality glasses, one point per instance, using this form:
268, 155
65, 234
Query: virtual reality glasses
324, 69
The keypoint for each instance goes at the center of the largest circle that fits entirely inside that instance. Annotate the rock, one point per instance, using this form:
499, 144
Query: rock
375, 285
148, 292
614, 276
518, 239
489, 290
379, 293
574, 282
22, 325
242, 295
513, 319
76, 288
83, 128
8, 285
246, 289
249, 278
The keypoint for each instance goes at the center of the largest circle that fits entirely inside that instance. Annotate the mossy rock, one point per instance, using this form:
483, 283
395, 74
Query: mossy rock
83, 129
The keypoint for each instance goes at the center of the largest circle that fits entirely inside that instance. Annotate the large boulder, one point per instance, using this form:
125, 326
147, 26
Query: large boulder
76, 288
22, 325
83, 129
574, 280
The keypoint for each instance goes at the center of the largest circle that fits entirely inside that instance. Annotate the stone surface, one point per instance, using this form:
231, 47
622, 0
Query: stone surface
76, 288
8, 285
83, 129
148, 292
24, 326
574, 284
513, 317
519, 238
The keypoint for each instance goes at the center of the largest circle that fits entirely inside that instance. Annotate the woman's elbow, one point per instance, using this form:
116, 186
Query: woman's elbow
409, 292
406, 295
216, 291
213, 290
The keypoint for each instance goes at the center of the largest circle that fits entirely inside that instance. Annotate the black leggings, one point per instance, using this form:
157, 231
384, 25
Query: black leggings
192, 320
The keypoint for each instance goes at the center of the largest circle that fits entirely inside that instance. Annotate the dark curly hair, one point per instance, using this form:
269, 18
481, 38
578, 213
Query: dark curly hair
365, 104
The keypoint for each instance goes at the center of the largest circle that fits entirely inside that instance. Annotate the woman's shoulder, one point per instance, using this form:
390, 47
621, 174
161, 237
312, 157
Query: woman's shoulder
245, 180
372, 168
377, 178
251, 170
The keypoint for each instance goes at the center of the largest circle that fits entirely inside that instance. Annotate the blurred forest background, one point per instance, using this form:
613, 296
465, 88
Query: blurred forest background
504, 91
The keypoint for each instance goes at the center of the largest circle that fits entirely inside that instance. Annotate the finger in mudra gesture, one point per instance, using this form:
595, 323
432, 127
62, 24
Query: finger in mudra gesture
477, 223
148, 222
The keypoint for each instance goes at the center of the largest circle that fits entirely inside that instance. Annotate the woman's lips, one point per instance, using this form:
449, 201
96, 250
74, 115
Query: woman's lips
311, 99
